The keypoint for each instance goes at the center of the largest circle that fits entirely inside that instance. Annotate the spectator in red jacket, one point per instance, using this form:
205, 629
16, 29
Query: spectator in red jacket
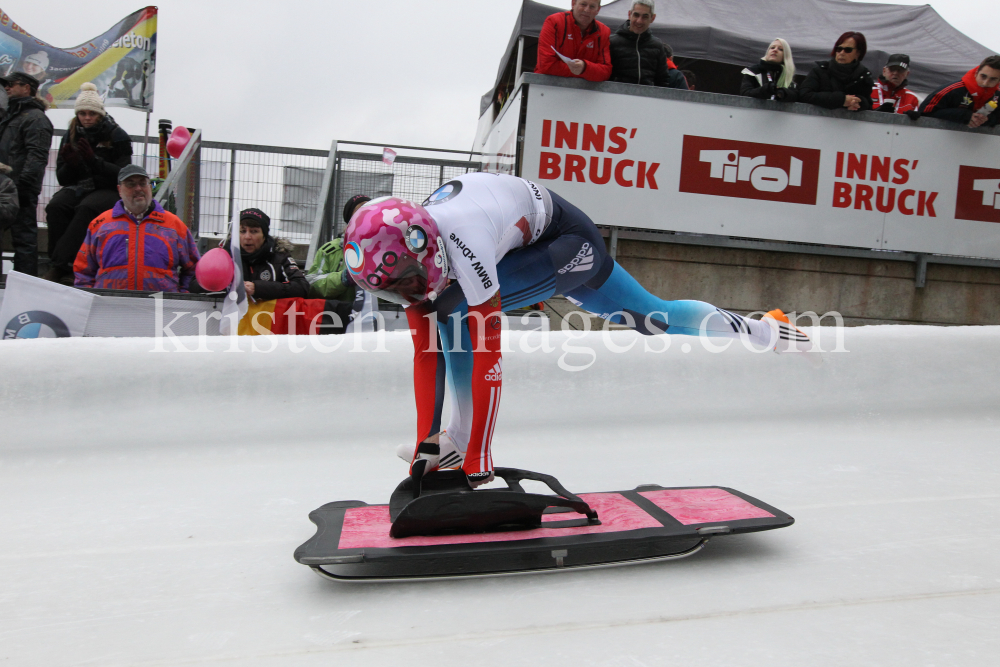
971, 101
890, 93
580, 38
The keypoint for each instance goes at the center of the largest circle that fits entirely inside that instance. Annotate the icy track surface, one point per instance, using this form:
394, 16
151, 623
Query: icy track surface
150, 504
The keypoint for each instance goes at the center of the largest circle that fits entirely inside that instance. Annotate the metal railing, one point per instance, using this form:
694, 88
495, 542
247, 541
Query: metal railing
288, 183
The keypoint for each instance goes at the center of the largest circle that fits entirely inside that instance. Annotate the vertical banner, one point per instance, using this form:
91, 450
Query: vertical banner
121, 62
36, 308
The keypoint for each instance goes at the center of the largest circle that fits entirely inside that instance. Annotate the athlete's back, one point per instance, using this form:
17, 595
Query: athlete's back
481, 218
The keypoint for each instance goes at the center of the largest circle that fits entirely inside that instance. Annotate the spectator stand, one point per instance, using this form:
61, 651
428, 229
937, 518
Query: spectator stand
899, 265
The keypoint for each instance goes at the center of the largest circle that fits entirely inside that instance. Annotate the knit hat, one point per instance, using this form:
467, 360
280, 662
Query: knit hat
258, 219
40, 60
351, 204
89, 100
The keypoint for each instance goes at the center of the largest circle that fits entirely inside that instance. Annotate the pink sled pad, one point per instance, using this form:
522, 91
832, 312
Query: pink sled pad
712, 505
368, 527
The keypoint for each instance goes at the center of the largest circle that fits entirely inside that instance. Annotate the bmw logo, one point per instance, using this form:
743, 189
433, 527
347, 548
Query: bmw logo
354, 257
416, 238
36, 324
447, 191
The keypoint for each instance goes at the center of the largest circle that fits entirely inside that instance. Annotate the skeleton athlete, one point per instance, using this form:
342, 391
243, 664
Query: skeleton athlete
507, 243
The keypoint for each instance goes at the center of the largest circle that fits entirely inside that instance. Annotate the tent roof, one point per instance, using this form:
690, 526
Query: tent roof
738, 33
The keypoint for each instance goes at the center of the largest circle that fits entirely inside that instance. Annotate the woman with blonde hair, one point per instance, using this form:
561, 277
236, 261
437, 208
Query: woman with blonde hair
772, 78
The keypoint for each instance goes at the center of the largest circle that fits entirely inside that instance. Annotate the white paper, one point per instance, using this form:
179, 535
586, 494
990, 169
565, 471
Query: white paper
760, 81
562, 57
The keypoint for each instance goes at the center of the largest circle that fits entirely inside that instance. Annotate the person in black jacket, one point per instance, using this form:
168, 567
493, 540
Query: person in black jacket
637, 56
841, 82
971, 101
772, 78
25, 140
269, 272
91, 154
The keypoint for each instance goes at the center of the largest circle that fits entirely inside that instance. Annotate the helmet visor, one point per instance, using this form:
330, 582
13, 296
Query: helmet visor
404, 282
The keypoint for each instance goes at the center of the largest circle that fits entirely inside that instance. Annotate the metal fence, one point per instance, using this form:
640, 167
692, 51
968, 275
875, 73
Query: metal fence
287, 183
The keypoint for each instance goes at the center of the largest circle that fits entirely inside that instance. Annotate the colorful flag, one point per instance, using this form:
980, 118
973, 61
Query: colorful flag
121, 62
36, 308
388, 156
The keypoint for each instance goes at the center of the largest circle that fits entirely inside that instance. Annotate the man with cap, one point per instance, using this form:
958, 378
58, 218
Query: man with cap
328, 276
137, 245
889, 93
269, 272
25, 139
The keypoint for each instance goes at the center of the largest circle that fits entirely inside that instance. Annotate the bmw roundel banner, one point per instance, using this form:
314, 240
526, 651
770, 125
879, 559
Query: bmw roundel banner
121, 62
36, 308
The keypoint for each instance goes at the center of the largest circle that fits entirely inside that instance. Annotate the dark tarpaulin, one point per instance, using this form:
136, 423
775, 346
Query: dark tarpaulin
738, 32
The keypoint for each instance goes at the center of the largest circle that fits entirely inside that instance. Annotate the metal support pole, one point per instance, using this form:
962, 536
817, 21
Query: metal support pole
232, 180
520, 58
145, 145
921, 277
614, 243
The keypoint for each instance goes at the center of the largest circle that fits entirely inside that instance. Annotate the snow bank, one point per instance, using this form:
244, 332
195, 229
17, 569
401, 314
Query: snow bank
294, 388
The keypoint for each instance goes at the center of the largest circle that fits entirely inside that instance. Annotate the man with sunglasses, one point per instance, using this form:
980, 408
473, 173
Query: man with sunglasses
25, 140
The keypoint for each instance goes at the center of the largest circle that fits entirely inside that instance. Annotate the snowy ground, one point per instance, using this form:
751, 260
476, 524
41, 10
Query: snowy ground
150, 504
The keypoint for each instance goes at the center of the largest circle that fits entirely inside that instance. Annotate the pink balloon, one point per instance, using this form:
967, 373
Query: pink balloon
214, 270
179, 138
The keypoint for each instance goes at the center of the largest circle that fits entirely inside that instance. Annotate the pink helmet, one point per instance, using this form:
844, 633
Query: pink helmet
394, 250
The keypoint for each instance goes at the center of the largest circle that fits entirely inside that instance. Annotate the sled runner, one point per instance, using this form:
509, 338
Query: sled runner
438, 527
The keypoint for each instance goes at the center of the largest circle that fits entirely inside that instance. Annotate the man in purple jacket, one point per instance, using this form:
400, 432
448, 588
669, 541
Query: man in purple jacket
136, 245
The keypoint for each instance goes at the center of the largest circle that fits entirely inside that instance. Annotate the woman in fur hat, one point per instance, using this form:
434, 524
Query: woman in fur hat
90, 156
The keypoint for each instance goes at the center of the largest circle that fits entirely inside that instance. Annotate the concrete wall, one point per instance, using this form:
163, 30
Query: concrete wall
864, 291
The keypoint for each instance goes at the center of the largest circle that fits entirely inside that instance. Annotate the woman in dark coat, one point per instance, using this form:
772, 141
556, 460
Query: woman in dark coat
91, 154
771, 78
841, 82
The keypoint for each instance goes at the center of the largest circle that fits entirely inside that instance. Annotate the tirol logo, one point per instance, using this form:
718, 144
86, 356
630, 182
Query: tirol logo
978, 195
36, 324
727, 168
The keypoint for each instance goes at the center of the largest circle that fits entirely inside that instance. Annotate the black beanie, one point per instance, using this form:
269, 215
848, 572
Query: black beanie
351, 204
258, 217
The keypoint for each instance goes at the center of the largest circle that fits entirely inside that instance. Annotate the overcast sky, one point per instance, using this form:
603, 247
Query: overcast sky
304, 72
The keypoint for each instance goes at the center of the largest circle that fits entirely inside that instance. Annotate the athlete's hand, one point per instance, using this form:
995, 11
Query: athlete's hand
577, 67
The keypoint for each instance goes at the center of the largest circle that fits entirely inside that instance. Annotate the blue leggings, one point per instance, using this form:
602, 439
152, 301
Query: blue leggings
570, 259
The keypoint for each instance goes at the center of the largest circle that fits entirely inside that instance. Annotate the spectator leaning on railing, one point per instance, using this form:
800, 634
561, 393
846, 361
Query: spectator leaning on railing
137, 245
25, 139
578, 36
890, 93
841, 82
269, 272
637, 56
9, 202
971, 101
773, 76
91, 154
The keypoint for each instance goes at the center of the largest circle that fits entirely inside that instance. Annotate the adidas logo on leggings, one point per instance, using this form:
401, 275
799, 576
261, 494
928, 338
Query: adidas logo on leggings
496, 373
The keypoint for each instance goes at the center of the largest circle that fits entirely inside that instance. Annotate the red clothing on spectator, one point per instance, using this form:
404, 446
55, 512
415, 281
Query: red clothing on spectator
901, 98
593, 47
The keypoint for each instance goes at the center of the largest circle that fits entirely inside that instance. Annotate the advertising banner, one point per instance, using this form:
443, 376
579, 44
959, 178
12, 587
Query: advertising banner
121, 62
672, 165
36, 308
